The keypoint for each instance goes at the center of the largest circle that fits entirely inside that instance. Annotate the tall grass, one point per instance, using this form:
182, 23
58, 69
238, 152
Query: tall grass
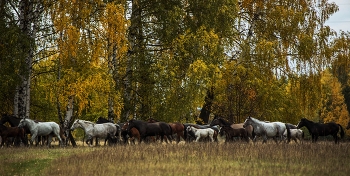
322, 158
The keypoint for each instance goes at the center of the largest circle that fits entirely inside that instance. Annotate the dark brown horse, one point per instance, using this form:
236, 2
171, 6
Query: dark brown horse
151, 129
133, 133
322, 129
234, 132
222, 122
14, 132
176, 128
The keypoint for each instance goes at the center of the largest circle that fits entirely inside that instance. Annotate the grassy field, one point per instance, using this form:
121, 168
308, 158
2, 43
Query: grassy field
323, 158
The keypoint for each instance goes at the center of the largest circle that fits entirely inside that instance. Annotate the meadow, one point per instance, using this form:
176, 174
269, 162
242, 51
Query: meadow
239, 158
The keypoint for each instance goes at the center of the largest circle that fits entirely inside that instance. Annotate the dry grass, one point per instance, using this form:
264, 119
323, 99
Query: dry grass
323, 158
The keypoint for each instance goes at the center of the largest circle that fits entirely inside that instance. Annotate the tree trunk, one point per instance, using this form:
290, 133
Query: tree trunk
27, 25
15, 102
206, 110
68, 119
111, 115
134, 39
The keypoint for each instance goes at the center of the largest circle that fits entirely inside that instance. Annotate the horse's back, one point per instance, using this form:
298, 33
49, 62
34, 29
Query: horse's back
205, 132
237, 125
105, 128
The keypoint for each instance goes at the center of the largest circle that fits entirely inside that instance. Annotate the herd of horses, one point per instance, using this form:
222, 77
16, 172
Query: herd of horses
153, 130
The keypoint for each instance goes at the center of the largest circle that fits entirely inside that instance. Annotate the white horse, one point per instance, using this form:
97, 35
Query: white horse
264, 129
41, 129
281, 129
103, 130
201, 133
294, 134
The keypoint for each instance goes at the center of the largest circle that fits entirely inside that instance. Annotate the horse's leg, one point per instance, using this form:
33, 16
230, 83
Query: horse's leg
295, 139
335, 136
49, 139
315, 138
264, 138
2, 141
211, 138
89, 141
34, 138
59, 138
162, 138
197, 139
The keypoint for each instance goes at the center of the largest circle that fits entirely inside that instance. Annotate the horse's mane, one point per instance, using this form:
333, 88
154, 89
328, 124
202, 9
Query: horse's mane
85, 121
257, 120
153, 119
35, 121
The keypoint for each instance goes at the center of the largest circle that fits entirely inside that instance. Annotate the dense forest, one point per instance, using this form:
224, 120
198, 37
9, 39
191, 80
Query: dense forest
173, 60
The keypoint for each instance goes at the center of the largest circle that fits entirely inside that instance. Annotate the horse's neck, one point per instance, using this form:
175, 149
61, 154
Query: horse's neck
194, 129
86, 126
309, 125
13, 121
31, 124
224, 122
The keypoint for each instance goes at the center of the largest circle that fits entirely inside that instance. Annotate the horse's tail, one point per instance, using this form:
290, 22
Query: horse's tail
288, 132
302, 134
185, 131
171, 130
341, 131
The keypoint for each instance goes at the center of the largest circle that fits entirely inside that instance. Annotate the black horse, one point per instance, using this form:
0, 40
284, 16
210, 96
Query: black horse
320, 129
151, 129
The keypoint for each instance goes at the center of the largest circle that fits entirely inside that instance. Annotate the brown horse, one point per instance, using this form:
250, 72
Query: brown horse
179, 130
133, 133
348, 127
15, 132
234, 132
222, 122
176, 128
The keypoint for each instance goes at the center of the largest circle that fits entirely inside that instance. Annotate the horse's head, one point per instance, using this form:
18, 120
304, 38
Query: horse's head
302, 122
22, 123
189, 128
248, 121
131, 124
125, 126
214, 122
75, 125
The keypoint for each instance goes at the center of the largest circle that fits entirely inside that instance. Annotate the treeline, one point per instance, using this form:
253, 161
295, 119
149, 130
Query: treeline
274, 60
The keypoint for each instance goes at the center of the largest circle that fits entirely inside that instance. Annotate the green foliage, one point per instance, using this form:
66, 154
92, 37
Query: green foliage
264, 59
